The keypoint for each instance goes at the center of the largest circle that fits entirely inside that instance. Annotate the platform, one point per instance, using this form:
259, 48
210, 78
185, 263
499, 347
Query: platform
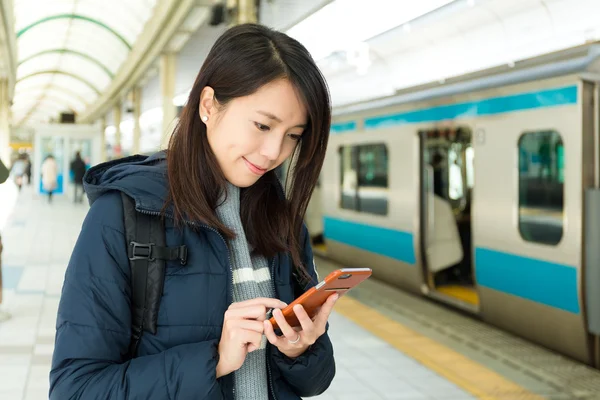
380, 354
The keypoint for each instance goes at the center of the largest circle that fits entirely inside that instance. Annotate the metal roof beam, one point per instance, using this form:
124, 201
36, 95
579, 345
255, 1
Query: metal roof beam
78, 17
59, 88
58, 72
77, 53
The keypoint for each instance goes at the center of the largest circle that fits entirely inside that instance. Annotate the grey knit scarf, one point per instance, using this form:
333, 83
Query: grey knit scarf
251, 279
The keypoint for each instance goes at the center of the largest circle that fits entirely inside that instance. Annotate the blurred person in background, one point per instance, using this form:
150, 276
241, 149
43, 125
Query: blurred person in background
49, 176
78, 168
19, 169
258, 99
28, 170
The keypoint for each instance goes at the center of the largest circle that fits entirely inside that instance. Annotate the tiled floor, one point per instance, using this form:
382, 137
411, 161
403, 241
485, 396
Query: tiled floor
38, 239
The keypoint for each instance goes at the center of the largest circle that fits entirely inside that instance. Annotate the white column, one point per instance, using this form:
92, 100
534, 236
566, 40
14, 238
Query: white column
137, 111
117, 121
167, 88
246, 11
4, 123
103, 140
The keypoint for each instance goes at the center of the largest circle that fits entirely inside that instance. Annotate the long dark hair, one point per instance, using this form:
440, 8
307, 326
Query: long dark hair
241, 61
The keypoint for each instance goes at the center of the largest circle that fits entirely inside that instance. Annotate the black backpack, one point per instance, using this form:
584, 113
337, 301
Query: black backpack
147, 253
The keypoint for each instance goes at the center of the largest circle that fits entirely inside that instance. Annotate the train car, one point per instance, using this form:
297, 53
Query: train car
481, 193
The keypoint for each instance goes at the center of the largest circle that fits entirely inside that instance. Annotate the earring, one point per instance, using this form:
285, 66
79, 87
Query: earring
204, 118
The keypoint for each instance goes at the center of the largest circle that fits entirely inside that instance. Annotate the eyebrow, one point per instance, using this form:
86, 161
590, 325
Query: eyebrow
274, 117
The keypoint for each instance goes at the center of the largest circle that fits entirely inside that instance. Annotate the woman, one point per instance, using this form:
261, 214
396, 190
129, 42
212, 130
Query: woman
258, 99
49, 176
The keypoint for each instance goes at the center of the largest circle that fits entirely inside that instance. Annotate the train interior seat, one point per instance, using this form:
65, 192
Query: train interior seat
444, 246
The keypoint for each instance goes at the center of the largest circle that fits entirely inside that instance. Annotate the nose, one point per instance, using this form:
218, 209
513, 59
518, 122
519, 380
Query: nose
271, 147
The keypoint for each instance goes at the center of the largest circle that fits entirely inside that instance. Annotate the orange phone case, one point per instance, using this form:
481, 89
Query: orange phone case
339, 281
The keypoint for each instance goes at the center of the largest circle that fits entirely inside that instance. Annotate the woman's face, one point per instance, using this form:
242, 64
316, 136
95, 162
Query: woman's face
256, 133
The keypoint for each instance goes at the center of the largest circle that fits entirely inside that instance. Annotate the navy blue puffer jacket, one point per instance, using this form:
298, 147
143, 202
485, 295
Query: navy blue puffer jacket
94, 317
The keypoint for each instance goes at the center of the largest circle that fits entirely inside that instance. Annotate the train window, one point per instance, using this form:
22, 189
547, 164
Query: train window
364, 178
373, 179
541, 187
470, 173
349, 178
455, 176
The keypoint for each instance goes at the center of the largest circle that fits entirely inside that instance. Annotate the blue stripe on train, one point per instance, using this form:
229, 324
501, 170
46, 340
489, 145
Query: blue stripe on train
391, 243
342, 127
490, 106
544, 282
540, 281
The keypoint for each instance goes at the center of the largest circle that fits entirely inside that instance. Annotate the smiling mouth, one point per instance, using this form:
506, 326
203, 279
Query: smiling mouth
254, 168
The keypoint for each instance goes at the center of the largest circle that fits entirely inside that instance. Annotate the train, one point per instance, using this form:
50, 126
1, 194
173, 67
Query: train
481, 192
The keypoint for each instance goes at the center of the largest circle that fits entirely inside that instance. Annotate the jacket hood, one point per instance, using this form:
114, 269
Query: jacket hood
143, 178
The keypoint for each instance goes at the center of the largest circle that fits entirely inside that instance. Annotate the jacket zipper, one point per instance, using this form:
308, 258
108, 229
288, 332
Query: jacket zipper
269, 353
230, 300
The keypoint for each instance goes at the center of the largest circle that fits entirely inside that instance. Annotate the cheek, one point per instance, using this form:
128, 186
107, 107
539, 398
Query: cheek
287, 150
227, 140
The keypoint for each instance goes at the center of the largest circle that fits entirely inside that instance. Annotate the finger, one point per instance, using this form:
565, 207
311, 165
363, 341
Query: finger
259, 301
307, 324
250, 339
325, 311
247, 324
289, 333
257, 312
270, 334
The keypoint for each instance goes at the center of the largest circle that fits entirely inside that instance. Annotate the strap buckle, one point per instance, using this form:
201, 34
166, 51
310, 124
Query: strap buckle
141, 251
182, 255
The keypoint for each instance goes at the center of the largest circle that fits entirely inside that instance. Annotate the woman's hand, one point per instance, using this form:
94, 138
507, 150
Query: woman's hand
242, 332
295, 341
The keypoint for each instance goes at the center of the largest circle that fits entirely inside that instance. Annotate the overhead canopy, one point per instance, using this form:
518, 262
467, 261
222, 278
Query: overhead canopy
70, 50
460, 37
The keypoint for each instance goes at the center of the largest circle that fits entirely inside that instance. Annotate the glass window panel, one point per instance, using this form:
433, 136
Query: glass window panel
94, 32
29, 11
68, 62
541, 187
85, 38
128, 22
364, 178
24, 95
64, 97
348, 178
43, 62
34, 91
373, 179
24, 105
46, 105
76, 86
86, 69
110, 56
48, 31
34, 81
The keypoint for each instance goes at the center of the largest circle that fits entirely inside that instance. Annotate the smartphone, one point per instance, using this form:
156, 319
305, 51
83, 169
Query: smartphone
339, 281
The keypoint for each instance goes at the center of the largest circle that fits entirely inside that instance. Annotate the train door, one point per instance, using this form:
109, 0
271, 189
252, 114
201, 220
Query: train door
446, 193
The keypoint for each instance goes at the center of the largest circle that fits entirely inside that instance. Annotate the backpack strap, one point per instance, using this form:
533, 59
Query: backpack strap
147, 253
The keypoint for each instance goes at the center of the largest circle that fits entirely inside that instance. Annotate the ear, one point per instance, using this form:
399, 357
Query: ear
207, 103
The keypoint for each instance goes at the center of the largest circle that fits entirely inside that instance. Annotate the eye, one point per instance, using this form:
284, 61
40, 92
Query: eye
295, 136
262, 127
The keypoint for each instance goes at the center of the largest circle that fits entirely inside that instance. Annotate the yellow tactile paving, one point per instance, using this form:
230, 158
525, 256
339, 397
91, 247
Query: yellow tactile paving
471, 376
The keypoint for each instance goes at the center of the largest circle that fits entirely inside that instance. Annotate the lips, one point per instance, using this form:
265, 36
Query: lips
254, 168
